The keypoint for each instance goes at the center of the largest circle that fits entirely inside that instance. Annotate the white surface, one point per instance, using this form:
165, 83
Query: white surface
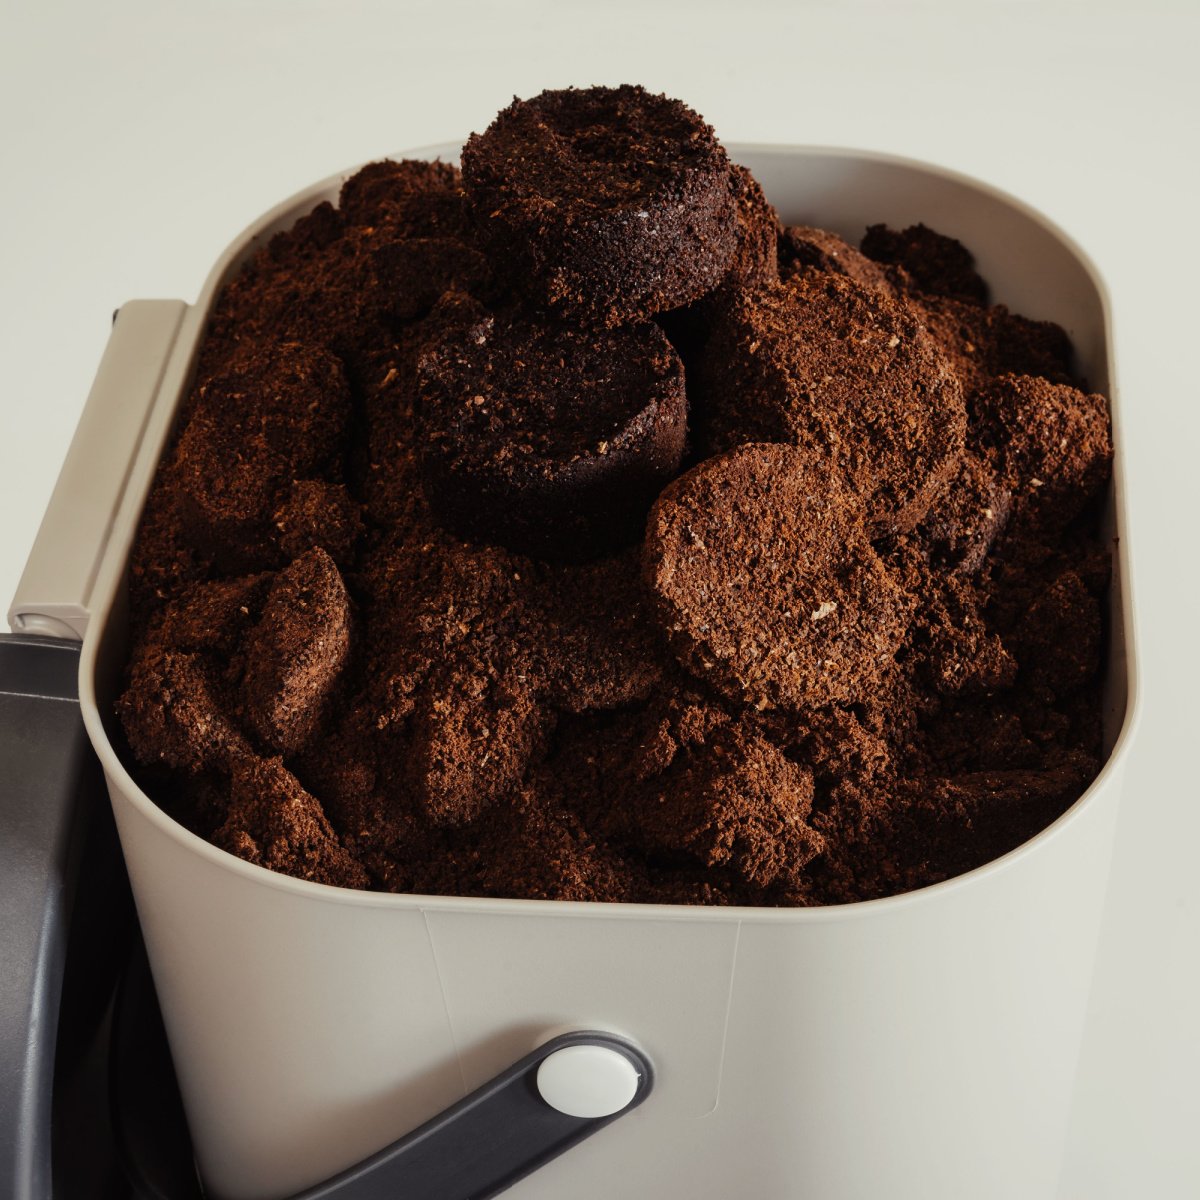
587, 1081
139, 138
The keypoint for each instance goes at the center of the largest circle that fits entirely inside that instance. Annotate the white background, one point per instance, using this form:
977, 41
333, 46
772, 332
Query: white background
139, 138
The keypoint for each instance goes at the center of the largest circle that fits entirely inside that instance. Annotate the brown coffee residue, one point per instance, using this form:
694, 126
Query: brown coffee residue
680, 557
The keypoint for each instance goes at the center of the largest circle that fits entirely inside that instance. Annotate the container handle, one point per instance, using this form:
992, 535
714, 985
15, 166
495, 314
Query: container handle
533, 1111
554, 1098
54, 595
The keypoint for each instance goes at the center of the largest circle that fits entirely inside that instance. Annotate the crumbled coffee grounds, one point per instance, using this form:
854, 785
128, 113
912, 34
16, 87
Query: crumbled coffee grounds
475, 728
296, 652
274, 822
175, 711
1058, 639
277, 416
837, 368
937, 264
734, 802
456, 580
983, 342
410, 199
802, 247
314, 513
962, 526
1049, 443
919, 830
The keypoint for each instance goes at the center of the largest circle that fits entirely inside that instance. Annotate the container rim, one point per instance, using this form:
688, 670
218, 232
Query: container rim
116, 553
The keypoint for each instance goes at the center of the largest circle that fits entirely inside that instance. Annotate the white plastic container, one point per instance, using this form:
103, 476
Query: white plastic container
915, 1048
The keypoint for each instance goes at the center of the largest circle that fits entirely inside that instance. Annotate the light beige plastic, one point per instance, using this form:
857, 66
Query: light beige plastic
54, 596
919, 1048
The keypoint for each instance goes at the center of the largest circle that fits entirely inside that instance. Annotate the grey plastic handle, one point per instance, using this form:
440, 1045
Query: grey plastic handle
43, 764
503, 1131
489, 1140
54, 595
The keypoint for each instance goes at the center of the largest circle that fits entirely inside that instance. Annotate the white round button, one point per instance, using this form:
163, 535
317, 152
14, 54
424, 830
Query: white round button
587, 1081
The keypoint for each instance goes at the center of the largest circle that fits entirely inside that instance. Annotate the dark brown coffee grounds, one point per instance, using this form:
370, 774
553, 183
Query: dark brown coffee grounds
533, 837
938, 265
277, 416
754, 265
339, 282
410, 199
296, 653
802, 247
983, 342
548, 439
274, 822
599, 648
476, 727
765, 583
1058, 639
734, 802
915, 831
837, 368
314, 513
962, 526
175, 712
1049, 443
212, 617
385, 461
755, 258
712, 807
856, 659
950, 642
614, 204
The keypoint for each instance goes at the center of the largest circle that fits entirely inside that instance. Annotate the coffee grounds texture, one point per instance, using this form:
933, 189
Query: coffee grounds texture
608, 204
845, 641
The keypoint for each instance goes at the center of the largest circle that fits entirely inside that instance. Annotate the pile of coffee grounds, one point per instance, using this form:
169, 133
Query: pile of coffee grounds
570, 528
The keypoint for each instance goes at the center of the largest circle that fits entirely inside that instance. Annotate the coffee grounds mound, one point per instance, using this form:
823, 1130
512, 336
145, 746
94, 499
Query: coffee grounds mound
296, 652
275, 823
917, 831
856, 649
1050, 444
960, 529
734, 802
802, 247
410, 199
613, 203
279, 415
837, 368
939, 265
175, 712
1058, 639
314, 513
983, 342
548, 439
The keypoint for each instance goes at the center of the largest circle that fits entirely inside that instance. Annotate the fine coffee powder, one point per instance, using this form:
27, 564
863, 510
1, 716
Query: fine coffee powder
771, 578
